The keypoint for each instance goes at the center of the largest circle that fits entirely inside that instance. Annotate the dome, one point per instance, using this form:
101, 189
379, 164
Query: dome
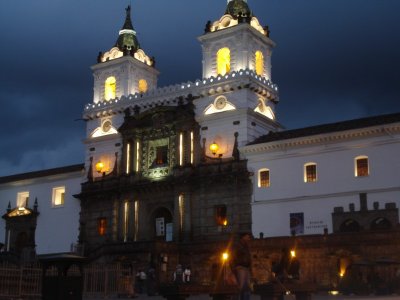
238, 8
127, 36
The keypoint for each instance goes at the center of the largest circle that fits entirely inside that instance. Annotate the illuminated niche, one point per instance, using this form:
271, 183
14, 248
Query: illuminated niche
142, 86
265, 110
223, 61
106, 128
110, 88
259, 63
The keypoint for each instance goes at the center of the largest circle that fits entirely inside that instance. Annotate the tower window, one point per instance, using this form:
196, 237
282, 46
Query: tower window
223, 61
310, 172
263, 178
259, 63
361, 166
142, 86
110, 88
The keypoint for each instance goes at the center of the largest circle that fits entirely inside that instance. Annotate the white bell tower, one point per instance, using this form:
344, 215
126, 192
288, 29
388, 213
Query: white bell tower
122, 71
237, 54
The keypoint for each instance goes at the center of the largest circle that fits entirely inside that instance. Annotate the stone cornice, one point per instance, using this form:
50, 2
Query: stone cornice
200, 88
323, 139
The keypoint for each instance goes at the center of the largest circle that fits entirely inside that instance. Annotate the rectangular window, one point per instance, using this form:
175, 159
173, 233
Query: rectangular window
221, 215
126, 220
102, 226
310, 173
181, 201
263, 179
22, 199
362, 168
58, 196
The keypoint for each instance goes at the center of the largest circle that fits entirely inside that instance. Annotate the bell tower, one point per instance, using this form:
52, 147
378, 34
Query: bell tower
123, 71
236, 62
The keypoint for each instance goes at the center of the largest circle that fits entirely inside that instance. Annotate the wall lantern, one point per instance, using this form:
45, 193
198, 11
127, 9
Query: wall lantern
214, 148
99, 167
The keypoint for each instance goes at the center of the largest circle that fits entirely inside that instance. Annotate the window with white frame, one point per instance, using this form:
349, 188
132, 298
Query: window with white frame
58, 196
263, 178
361, 166
310, 172
22, 199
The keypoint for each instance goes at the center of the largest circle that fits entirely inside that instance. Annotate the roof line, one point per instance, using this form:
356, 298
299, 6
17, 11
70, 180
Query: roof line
42, 173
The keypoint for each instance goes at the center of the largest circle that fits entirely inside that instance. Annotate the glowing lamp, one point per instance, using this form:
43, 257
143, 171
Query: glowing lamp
99, 167
293, 253
225, 256
214, 148
225, 223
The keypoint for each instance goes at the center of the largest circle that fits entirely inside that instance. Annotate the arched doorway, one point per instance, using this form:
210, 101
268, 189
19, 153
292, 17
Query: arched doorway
162, 224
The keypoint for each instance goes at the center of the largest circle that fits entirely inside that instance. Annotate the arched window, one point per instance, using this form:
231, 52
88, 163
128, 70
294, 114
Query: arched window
110, 88
259, 63
142, 86
223, 61
361, 166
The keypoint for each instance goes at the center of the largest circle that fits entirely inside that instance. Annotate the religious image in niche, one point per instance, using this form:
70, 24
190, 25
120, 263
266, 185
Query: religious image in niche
297, 223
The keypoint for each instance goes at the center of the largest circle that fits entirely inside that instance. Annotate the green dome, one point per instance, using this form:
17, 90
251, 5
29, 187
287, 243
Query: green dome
238, 8
127, 36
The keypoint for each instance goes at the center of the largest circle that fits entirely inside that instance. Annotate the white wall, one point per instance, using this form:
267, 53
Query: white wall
336, 185
57, 227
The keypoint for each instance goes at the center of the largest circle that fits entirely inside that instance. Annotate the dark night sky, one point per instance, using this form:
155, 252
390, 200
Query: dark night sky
335, 60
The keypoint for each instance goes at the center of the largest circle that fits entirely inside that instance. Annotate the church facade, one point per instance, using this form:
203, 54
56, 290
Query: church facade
201, 161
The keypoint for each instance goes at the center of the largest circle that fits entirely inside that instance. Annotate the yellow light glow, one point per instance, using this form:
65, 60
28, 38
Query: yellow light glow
181, 201
225, 256
225, 222
137, 156
223, 61
110, 88
259, 63
143, 86
99, 167
341, 274
214, 148
181, 149
128, 158
293, 253
191, 147
333, 293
